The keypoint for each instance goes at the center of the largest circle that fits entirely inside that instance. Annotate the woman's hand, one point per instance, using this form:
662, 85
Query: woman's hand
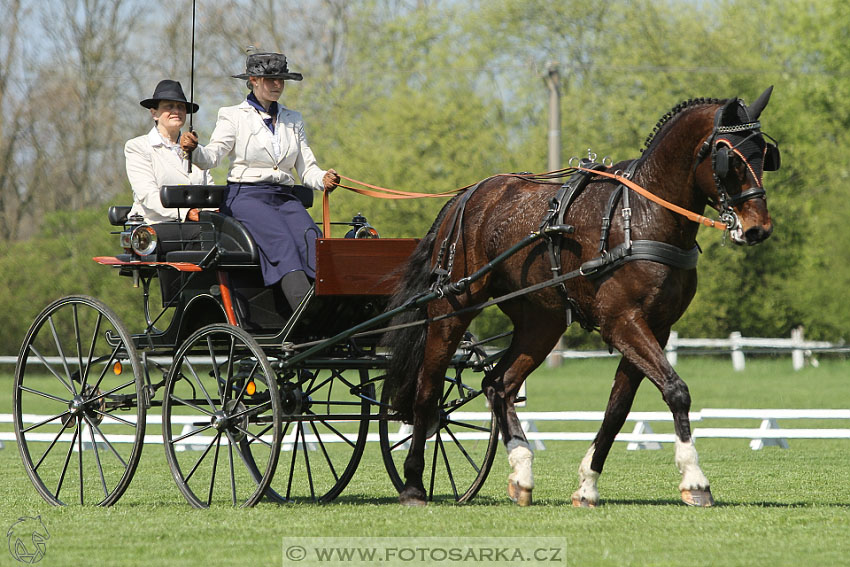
330, 180
189, 141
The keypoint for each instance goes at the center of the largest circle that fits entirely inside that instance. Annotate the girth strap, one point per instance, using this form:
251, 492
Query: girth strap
651, 250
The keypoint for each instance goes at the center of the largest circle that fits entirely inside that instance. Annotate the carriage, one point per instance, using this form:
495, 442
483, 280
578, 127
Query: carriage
256, 401
235, 373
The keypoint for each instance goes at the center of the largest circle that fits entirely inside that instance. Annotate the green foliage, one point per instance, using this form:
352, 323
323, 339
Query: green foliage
434, 96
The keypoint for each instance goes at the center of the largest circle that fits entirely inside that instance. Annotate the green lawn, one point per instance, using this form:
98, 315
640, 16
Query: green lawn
775, 507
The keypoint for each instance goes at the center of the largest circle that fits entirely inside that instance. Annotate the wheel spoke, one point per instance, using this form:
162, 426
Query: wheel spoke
254, 437
44, 395
448, 466
52, 371
214, 466
216, 374
462, 450
226, 390
115, 417
433, 470
97, 459
307, 461
45, 422
292, 461
325, 451
52, 443
80, 452
469, 426
200, 383
230, 443
106, 366
190, 434
91, 349
61, 354
201, 458
67, 460
338, 434
112, 391
191, 405
79, 346
402, 442
108, 444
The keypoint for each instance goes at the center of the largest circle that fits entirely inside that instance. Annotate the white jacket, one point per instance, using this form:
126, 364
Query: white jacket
241, 135
150, 165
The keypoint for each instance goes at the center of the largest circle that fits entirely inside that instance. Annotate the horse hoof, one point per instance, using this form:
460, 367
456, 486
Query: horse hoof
518, 494
412, 498
582, 502
697, 497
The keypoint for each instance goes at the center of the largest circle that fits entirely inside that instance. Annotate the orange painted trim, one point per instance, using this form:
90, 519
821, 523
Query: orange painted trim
226, 298
179, 266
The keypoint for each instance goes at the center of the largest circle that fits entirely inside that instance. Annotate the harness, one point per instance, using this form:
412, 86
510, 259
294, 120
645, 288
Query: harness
608, 259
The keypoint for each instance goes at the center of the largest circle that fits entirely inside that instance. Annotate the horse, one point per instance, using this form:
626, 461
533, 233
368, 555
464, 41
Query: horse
704, 152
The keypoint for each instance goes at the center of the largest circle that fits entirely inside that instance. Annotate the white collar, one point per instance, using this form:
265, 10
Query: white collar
155, 138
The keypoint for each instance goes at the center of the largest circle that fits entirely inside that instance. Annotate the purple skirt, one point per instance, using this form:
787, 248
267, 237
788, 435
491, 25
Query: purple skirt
280, 225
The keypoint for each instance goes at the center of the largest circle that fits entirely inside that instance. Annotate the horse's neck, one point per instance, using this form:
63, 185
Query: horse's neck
668, 170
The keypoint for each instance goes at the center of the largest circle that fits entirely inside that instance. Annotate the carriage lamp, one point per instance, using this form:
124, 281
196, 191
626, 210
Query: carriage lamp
360, 228
143, 240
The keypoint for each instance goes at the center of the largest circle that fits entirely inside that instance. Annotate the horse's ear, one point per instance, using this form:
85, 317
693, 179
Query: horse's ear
754, 110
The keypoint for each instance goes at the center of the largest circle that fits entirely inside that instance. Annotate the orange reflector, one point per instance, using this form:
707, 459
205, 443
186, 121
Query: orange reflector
117, 368
250, 388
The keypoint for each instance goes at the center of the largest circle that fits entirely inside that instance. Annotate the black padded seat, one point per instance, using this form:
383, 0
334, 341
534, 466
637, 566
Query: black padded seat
236, 247
192, 196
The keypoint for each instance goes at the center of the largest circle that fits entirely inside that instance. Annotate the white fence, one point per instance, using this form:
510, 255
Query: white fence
737, 346
767, 433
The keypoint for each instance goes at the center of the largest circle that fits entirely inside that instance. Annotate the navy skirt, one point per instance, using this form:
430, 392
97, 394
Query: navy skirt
282, 228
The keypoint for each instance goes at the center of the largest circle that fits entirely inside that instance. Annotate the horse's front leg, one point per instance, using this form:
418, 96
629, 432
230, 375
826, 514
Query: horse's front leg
626, 382
643, 349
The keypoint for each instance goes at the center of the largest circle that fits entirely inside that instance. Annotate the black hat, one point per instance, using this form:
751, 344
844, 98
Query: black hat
169, 90
268, 65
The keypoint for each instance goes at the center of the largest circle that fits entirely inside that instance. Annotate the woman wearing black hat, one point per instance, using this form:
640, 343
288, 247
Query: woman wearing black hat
264, 142
156, 159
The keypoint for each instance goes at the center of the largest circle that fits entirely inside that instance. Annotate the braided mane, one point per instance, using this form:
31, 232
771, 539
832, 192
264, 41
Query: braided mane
684, 105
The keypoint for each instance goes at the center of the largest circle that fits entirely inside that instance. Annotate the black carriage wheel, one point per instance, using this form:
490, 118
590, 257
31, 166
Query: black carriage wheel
78, 403
458, 455
221, 407
326, 415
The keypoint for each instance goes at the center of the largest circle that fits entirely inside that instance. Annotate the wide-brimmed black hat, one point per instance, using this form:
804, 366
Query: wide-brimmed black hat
169, 90
268, 65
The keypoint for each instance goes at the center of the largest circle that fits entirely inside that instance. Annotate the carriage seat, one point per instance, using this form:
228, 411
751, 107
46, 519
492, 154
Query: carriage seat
236, 246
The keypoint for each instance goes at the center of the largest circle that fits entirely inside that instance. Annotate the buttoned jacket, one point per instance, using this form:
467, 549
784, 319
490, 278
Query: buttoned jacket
241, 135
150, 165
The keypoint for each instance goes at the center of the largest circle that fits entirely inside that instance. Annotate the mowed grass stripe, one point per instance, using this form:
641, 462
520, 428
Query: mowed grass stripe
775, 507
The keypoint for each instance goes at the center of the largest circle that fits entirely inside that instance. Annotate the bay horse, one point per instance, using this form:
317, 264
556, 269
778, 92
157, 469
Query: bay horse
703, 152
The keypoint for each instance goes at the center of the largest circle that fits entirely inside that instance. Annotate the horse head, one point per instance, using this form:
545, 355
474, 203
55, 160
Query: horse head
740, 154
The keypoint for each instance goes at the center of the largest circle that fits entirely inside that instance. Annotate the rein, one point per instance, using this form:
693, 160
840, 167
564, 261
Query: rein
690, 215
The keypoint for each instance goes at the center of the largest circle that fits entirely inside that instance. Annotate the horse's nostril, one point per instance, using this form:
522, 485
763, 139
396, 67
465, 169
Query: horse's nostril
756, 234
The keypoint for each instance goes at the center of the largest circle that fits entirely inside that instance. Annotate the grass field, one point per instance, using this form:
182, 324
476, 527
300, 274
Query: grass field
774, 507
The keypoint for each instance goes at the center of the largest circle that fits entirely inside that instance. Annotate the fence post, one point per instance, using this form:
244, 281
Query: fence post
737, 354
670, 349
797, 355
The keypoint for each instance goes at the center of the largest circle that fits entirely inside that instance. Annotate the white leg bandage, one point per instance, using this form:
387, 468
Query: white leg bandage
520, 459
587, 479
688, 463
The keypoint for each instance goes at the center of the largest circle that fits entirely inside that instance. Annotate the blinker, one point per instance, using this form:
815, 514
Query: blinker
772, 160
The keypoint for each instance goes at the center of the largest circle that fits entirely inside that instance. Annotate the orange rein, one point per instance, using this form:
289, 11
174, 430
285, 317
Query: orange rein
384, 193
690, 215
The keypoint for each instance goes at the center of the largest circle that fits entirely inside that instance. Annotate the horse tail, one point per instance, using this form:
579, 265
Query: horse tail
407, 344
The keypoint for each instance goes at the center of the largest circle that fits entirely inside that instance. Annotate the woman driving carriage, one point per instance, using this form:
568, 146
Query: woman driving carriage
264, 142
156, 159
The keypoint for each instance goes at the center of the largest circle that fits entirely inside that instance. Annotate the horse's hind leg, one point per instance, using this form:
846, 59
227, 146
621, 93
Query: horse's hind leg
626, 382
440, 345
535, 333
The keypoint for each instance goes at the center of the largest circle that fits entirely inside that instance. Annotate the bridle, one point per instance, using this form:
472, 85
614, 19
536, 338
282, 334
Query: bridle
727, 141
